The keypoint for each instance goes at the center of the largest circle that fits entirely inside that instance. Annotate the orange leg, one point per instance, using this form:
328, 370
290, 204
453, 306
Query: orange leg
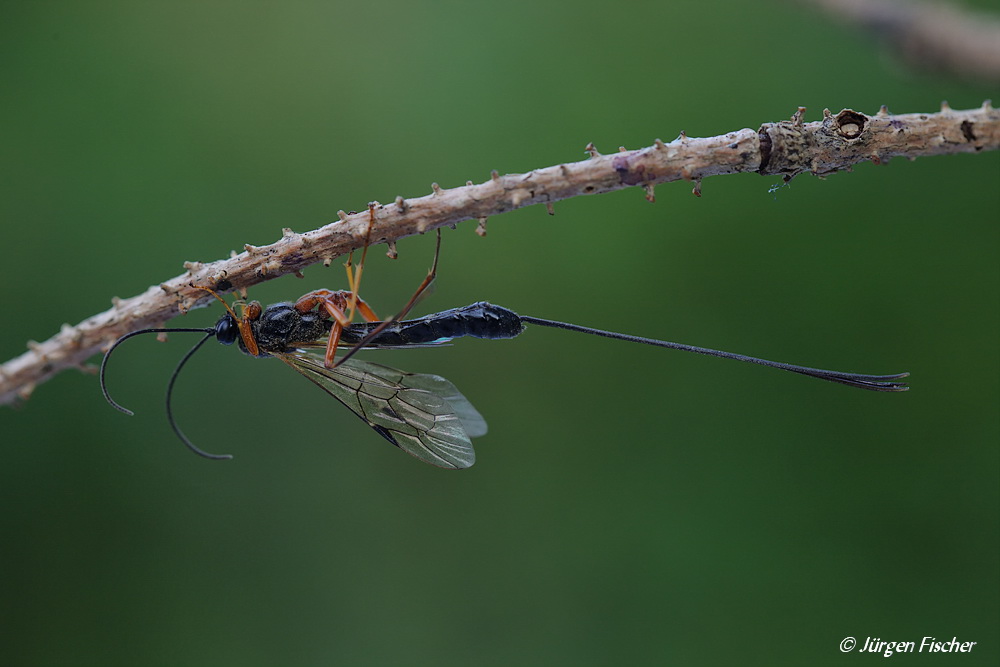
354, 277
424, 285
333, 304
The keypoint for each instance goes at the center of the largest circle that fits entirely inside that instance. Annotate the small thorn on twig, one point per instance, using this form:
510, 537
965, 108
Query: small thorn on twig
658, 144
232, 254
191, 267
24, 393
469, 183
591, 150
876, 160
494, 175
401, 204
327, 261
550, 208
342, 215
650, 192
622, 149
436, 188
481, 227
252, 250
286, 232
116, 302
945, 107
883, 111
798, 116
71, 332
987, 104
391, 250
166, 288
827, 114
696, 191
298, 274
682, 137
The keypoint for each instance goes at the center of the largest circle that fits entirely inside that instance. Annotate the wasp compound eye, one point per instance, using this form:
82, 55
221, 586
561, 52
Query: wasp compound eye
226, 330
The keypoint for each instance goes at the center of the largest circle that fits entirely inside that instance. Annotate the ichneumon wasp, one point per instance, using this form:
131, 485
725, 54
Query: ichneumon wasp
424, 415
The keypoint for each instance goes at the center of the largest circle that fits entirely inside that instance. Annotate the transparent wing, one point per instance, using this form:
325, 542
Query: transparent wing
424, 415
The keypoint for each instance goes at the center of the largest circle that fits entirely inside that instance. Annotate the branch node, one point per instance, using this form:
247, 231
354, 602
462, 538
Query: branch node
71, 332
481, 227
268, 268
24, 392
850, 124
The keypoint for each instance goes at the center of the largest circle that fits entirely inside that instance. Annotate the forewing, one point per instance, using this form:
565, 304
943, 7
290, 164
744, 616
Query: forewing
424, 415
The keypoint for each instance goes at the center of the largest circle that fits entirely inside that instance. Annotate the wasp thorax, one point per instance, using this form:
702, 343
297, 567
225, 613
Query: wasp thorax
280, 327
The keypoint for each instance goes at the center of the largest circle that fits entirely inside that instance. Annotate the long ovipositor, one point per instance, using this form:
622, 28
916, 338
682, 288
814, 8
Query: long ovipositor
486, 320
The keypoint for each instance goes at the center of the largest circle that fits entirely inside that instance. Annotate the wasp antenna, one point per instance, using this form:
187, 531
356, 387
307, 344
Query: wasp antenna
221, 300
107, 355
170, 413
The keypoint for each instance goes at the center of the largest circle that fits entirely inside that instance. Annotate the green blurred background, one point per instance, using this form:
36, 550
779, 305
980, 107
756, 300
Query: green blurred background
630, 505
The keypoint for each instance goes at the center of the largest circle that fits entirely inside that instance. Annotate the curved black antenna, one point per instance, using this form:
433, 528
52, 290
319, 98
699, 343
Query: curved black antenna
107, 355
170, 413
871, 382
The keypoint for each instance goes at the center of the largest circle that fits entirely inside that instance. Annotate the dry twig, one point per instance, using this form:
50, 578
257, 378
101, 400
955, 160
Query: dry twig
928, 35
786, 148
